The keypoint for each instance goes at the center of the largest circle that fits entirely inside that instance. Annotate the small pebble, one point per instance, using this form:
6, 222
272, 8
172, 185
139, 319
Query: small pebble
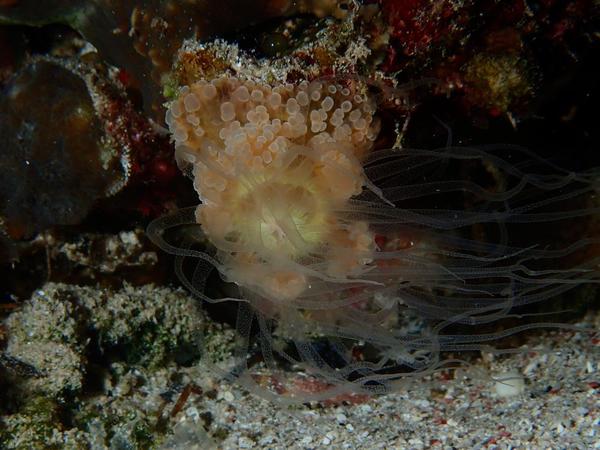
245, 442
509, 384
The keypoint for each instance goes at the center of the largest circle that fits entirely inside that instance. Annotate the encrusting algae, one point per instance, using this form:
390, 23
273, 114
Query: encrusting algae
272, 165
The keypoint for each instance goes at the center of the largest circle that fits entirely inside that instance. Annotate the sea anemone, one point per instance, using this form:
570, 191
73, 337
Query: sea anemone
273, 166
326, 237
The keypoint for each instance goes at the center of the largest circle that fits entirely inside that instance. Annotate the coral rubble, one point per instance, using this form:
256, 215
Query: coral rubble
144, 333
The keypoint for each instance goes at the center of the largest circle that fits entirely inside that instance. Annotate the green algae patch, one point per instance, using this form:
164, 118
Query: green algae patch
106, 364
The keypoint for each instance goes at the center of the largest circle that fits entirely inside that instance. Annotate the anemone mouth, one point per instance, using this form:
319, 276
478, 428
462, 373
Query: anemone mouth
289, 218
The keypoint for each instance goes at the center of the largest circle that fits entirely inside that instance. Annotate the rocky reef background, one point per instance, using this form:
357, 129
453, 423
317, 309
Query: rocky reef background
98, 348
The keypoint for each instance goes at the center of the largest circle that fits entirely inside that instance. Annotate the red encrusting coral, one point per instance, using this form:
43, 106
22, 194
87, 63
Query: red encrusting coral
416, 26
151, 167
